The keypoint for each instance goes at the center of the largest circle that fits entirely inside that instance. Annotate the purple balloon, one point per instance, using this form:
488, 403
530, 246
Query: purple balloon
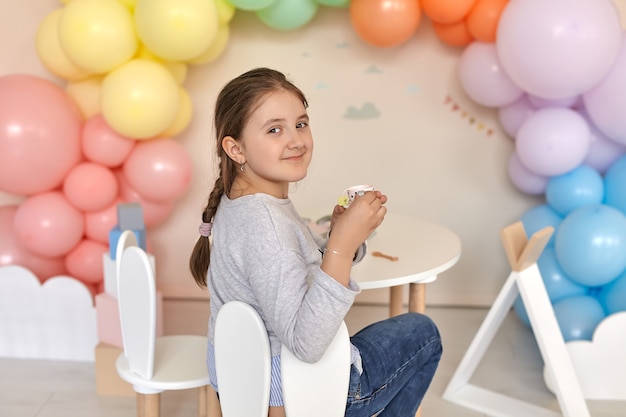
513, 115
525, 180
553, 141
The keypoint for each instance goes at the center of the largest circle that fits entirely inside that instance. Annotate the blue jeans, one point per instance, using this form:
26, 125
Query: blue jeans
400, 356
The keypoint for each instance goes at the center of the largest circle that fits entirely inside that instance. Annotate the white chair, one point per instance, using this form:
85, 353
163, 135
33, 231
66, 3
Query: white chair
154, 364
242, 355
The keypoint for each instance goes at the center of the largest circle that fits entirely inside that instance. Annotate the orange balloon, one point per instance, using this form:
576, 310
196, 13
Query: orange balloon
385, 23
482, 21
453, 34
447, 11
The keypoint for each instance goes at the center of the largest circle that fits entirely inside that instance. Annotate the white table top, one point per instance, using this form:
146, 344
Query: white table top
424, 249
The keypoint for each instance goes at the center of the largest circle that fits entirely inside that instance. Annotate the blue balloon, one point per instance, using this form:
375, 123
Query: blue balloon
615, 185
578, 317
558, 284
580, 187
613, 295
590, 245
538, 218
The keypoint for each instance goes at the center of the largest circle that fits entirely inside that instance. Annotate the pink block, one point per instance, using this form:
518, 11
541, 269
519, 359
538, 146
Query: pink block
108, 319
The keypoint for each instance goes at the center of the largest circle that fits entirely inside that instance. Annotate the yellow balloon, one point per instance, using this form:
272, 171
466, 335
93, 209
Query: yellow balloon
140, 99
129, 3
225, 11
86, 93
215, 49
176, 30
185, 111
50, 52
97, 35
178, 69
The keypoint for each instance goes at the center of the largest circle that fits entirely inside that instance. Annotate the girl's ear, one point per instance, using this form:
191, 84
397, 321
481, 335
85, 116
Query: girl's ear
233, 149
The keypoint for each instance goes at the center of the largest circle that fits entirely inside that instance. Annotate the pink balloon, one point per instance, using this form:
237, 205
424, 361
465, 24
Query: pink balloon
48, 225
158, 169
606, 101
525, 180
39, 134
84, 262
553, 141
559, 48
103, 145
12, 252
98, 224
512, 116
483, 78
153, 213
90, 186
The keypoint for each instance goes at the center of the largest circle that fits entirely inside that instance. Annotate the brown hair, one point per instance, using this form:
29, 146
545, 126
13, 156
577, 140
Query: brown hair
234, 106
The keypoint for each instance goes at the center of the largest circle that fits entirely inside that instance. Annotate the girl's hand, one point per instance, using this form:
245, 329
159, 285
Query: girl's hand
352, 226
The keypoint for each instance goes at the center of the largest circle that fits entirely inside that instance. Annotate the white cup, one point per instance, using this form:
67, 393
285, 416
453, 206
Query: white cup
356, 190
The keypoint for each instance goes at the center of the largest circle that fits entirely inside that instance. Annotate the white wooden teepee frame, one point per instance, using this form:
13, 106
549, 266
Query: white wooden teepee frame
525, 279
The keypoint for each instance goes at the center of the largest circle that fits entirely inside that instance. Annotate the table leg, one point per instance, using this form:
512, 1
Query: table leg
417, 298
395, 301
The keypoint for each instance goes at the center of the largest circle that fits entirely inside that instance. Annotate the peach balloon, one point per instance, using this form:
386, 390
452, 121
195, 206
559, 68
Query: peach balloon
90, 186
103, 145
482, 21
447, 11
385, 23
48, 225
153, 213
98, 224
86, 94
39, 134
84, 262
12, 252
159, 169
453, 34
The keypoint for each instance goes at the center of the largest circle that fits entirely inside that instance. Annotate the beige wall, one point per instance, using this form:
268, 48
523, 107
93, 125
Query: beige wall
428, 158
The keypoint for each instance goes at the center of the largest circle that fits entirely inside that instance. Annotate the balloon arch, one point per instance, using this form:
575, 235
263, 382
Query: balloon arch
554, 70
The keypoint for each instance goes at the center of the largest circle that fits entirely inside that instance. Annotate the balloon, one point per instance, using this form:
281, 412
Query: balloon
48, 225
558, 284
185, 111
225, 11
251, 5
176, 30
97, 35
553, 141
140, 99
447, 11
178, 70
540, 102
591, 244
482, 20
538, 218
98, 224
603, 152
86, 94
12, 252
50, 51
90, 187
215, 49
103, 145
385, 23
613, 295
614, 181
153, 213
335, 3
159, 169
39, 134
524, 180
560, 48
288, 14
483, 78
578, 317
84, 262
606, 100
580, 187
453, 34
513, 115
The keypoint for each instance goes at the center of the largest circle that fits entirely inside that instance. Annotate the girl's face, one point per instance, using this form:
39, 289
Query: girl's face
277, 144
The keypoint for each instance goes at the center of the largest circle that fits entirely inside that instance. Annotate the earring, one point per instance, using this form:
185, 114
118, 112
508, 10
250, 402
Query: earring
242, 167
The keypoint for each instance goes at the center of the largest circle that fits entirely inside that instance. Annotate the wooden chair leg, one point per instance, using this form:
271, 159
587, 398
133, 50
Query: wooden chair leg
148, 405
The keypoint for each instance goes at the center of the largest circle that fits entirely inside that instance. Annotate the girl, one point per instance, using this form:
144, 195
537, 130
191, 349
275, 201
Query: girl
263, 253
